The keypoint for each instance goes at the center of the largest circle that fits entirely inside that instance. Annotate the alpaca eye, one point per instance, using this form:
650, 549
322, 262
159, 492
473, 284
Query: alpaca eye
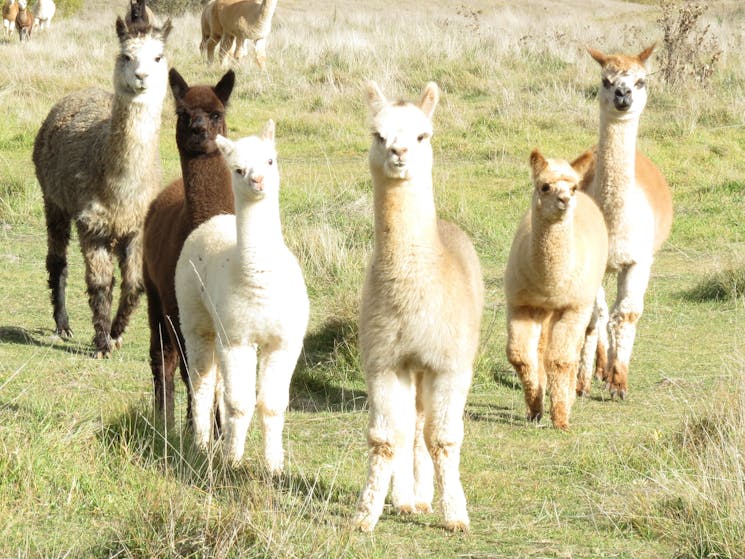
158, 58
545, 187
573, 189
607, 83
270, 162
127, 58
378, 137
242, 172
215, 117
640, 83
421, 137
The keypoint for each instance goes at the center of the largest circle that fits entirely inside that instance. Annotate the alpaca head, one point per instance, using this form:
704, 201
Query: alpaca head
554, 187
623, 91
137, 11
253, 162
141, 69
200, 113
401, 133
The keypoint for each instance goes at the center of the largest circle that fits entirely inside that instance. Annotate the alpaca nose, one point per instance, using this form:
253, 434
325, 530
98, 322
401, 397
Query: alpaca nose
622, 98
141, 74
198, 124
258, 181
399, 151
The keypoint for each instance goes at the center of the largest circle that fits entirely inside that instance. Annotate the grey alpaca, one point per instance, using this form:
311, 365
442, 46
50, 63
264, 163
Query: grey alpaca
97, 161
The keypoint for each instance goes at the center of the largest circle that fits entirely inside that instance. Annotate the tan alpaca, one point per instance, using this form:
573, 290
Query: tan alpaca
419, 323
636, 202
555, 268
232, 24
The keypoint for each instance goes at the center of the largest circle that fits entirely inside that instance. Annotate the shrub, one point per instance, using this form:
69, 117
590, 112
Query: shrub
175, 7
68, 7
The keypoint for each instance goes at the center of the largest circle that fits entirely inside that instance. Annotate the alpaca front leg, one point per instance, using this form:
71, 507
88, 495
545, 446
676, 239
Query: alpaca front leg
628, 308
99, 278
129, 251
203, 375
58, 238
275, 373
238, 371
444, 403
403, 479
595, 347
260, 53
523, 339
383, 431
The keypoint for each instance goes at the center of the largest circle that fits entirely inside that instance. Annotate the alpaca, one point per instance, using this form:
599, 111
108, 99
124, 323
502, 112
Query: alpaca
43, 13
233, 23
241, 292
24, 21
419, 323
556, 265
635, 200
138, 9
10, 11
97, 159
203, 191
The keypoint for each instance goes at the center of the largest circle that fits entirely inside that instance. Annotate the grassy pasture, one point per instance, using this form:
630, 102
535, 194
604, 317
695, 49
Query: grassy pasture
86, 472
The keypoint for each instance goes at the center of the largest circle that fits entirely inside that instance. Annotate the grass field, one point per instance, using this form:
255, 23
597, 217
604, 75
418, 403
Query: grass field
85, 470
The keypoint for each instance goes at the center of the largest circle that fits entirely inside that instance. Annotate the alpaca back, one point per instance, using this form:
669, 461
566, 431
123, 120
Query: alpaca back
248, 18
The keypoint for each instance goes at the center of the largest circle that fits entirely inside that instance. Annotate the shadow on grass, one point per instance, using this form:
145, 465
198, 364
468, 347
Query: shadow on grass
330, 349
507, 378
42, 338
724, 285
494, 414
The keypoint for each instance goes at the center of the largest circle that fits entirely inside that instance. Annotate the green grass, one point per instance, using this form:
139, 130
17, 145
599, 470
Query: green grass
85, 470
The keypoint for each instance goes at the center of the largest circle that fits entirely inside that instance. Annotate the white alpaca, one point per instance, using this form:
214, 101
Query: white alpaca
242, 299
419, 323
43, 13
636, 202
556, 265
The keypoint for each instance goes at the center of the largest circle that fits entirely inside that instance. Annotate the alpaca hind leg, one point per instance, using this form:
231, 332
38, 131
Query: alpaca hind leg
163, 358
424, 473
275, 373
129, 251
628, 308
444, 400
99, 278
523, 341
58, 238
202, 372
238, 371
593, 356
260, 53
385, 401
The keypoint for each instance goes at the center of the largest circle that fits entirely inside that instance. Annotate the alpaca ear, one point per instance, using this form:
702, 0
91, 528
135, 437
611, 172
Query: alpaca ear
165, 30
537, 162
268, 132
583, 163
178, 84
121, 29
646, 53
375, 98
225, 146
430, 97
599, 57
224, 87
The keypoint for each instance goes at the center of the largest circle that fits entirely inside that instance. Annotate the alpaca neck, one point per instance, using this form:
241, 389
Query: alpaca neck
405, 215
267, 12
259, 233
207, 187
616, 162
552, 249
133, 138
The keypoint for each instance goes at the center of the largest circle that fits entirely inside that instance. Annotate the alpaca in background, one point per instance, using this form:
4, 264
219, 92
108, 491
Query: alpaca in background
43, 13
97, 160
24, 21
419, 323
10, 11
243, 302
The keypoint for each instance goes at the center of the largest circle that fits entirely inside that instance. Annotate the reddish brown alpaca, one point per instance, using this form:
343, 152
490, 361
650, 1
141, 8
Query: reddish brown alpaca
204, 191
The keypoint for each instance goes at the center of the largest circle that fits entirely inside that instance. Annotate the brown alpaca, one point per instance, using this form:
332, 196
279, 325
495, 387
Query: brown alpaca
205, 190
24, 21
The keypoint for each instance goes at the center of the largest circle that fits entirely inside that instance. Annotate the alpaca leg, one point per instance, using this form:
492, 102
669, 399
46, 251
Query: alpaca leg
129, 251
99, 277
403, 480
628, 308
275, 373
523, 339
203, 379
238, 370
58, 237
593, 356
567, 335
226, 47
162, 356
444, 402
385, 400
424, 473
212, 42
260, 53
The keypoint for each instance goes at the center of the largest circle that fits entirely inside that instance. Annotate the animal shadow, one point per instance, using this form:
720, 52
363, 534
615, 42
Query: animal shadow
41, 338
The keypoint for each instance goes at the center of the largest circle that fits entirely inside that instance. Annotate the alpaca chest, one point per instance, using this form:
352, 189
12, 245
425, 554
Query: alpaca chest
631, 230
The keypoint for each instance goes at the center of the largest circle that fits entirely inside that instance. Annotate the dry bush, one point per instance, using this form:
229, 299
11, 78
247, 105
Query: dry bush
689, 53
175, 7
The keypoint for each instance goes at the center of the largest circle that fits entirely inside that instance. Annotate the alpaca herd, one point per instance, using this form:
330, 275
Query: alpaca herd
17, 16
226, 300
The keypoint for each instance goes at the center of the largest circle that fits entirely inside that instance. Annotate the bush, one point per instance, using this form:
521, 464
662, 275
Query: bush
68, 7
175, 7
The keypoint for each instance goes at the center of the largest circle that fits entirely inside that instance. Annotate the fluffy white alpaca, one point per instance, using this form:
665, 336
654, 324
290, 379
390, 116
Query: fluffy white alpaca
419, 323
635, 200
242, 301
556, 265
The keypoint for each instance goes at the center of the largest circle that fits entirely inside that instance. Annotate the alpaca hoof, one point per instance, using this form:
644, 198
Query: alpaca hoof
616, 391
561, 425
583, 392
117, 342
363, 523
405, 510
64, 332
102, 354
423, 508
534, 417
457, 525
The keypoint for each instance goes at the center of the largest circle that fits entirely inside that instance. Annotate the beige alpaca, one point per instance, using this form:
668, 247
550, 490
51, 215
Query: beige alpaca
636, 202
556, 266
232, 24
419, 323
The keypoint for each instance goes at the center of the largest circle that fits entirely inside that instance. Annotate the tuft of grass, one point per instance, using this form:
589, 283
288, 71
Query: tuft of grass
722, 285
